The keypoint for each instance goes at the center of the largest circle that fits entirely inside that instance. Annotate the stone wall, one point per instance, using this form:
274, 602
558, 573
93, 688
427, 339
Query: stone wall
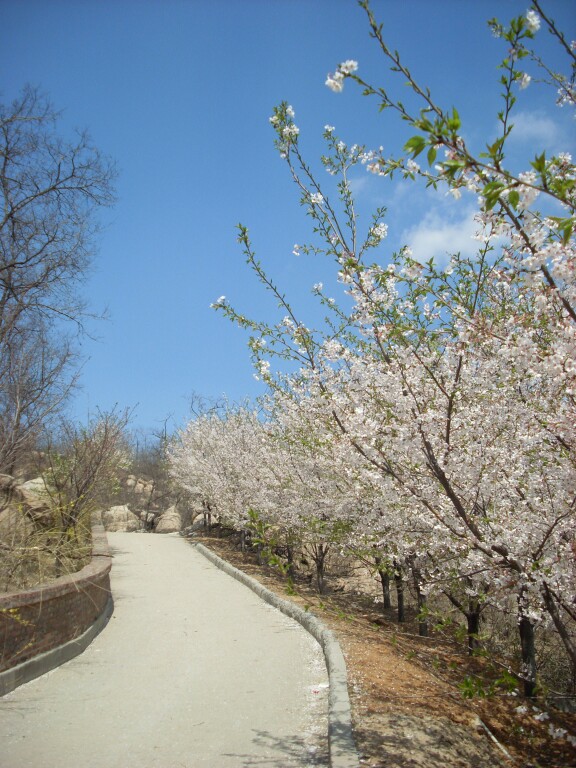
39, 622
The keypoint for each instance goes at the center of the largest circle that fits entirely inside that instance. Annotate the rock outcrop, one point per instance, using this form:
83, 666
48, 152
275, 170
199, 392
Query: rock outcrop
139, 487
29, 500
120, 518
170, 521
177, 517
36, 502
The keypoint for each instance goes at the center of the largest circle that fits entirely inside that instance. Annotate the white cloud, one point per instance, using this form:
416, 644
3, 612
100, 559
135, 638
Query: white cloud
536, 127
439, 237
358, 184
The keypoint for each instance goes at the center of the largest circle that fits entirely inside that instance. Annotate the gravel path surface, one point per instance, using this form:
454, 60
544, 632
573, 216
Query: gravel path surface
192, 670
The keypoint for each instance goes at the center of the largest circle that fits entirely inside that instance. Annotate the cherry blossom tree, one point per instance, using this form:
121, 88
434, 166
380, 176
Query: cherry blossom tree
444, 398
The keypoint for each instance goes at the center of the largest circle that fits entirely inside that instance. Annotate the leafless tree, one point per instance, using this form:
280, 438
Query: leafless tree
36, 376
51, 190
84, 462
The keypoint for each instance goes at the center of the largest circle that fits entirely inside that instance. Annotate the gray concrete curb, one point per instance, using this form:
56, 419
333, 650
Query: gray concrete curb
45, 662
343, 752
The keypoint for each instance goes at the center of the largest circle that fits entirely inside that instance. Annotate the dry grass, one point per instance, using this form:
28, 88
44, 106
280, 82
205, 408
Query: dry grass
32, 555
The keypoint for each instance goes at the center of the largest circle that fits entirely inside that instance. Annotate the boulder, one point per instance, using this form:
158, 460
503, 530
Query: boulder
148, 520
143, 488
28, 500
35, 500
7, 483
36, 486
120, 518
169, 521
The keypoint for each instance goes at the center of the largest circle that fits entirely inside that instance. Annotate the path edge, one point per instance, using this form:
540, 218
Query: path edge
14, 677
95, 575
342, 748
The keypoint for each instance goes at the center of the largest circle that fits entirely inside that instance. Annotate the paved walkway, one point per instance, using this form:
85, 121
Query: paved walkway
192, 670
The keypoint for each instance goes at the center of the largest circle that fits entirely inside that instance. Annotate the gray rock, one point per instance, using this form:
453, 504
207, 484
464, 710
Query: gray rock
35, 500
26, 501
120, 518
170, 521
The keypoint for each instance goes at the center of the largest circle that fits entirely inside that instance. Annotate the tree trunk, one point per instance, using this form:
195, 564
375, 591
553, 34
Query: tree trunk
291, 570
473, 616
526, 630
422, 623
473, 622
552, 609
320, 553
207, 518
385, 581
399, 583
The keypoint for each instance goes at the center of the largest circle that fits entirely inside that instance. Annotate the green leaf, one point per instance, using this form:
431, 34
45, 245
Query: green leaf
415, 145
491, 193
565, 227
567, 230
494, 150
454, 122
539, 163
514, 198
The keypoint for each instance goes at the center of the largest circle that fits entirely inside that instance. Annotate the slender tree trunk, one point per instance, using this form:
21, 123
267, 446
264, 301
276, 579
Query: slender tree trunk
473, 622
291, 570
526, 629
422, 623
565, 636
319, 560
528, 646
473, 614
399, 583
385, 582
207, 518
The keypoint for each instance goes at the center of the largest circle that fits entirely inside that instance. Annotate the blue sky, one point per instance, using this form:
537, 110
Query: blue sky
179, 93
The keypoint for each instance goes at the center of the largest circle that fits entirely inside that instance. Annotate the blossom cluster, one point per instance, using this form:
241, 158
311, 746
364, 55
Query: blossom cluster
432, 427
336, 81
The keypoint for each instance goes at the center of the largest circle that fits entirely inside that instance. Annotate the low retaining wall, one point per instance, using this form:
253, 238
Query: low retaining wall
43, 627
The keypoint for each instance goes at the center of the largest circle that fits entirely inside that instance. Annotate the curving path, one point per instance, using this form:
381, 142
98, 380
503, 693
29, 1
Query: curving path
192, 670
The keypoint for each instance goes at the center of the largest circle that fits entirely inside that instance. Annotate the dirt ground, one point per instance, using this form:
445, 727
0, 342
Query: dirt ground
407, 708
